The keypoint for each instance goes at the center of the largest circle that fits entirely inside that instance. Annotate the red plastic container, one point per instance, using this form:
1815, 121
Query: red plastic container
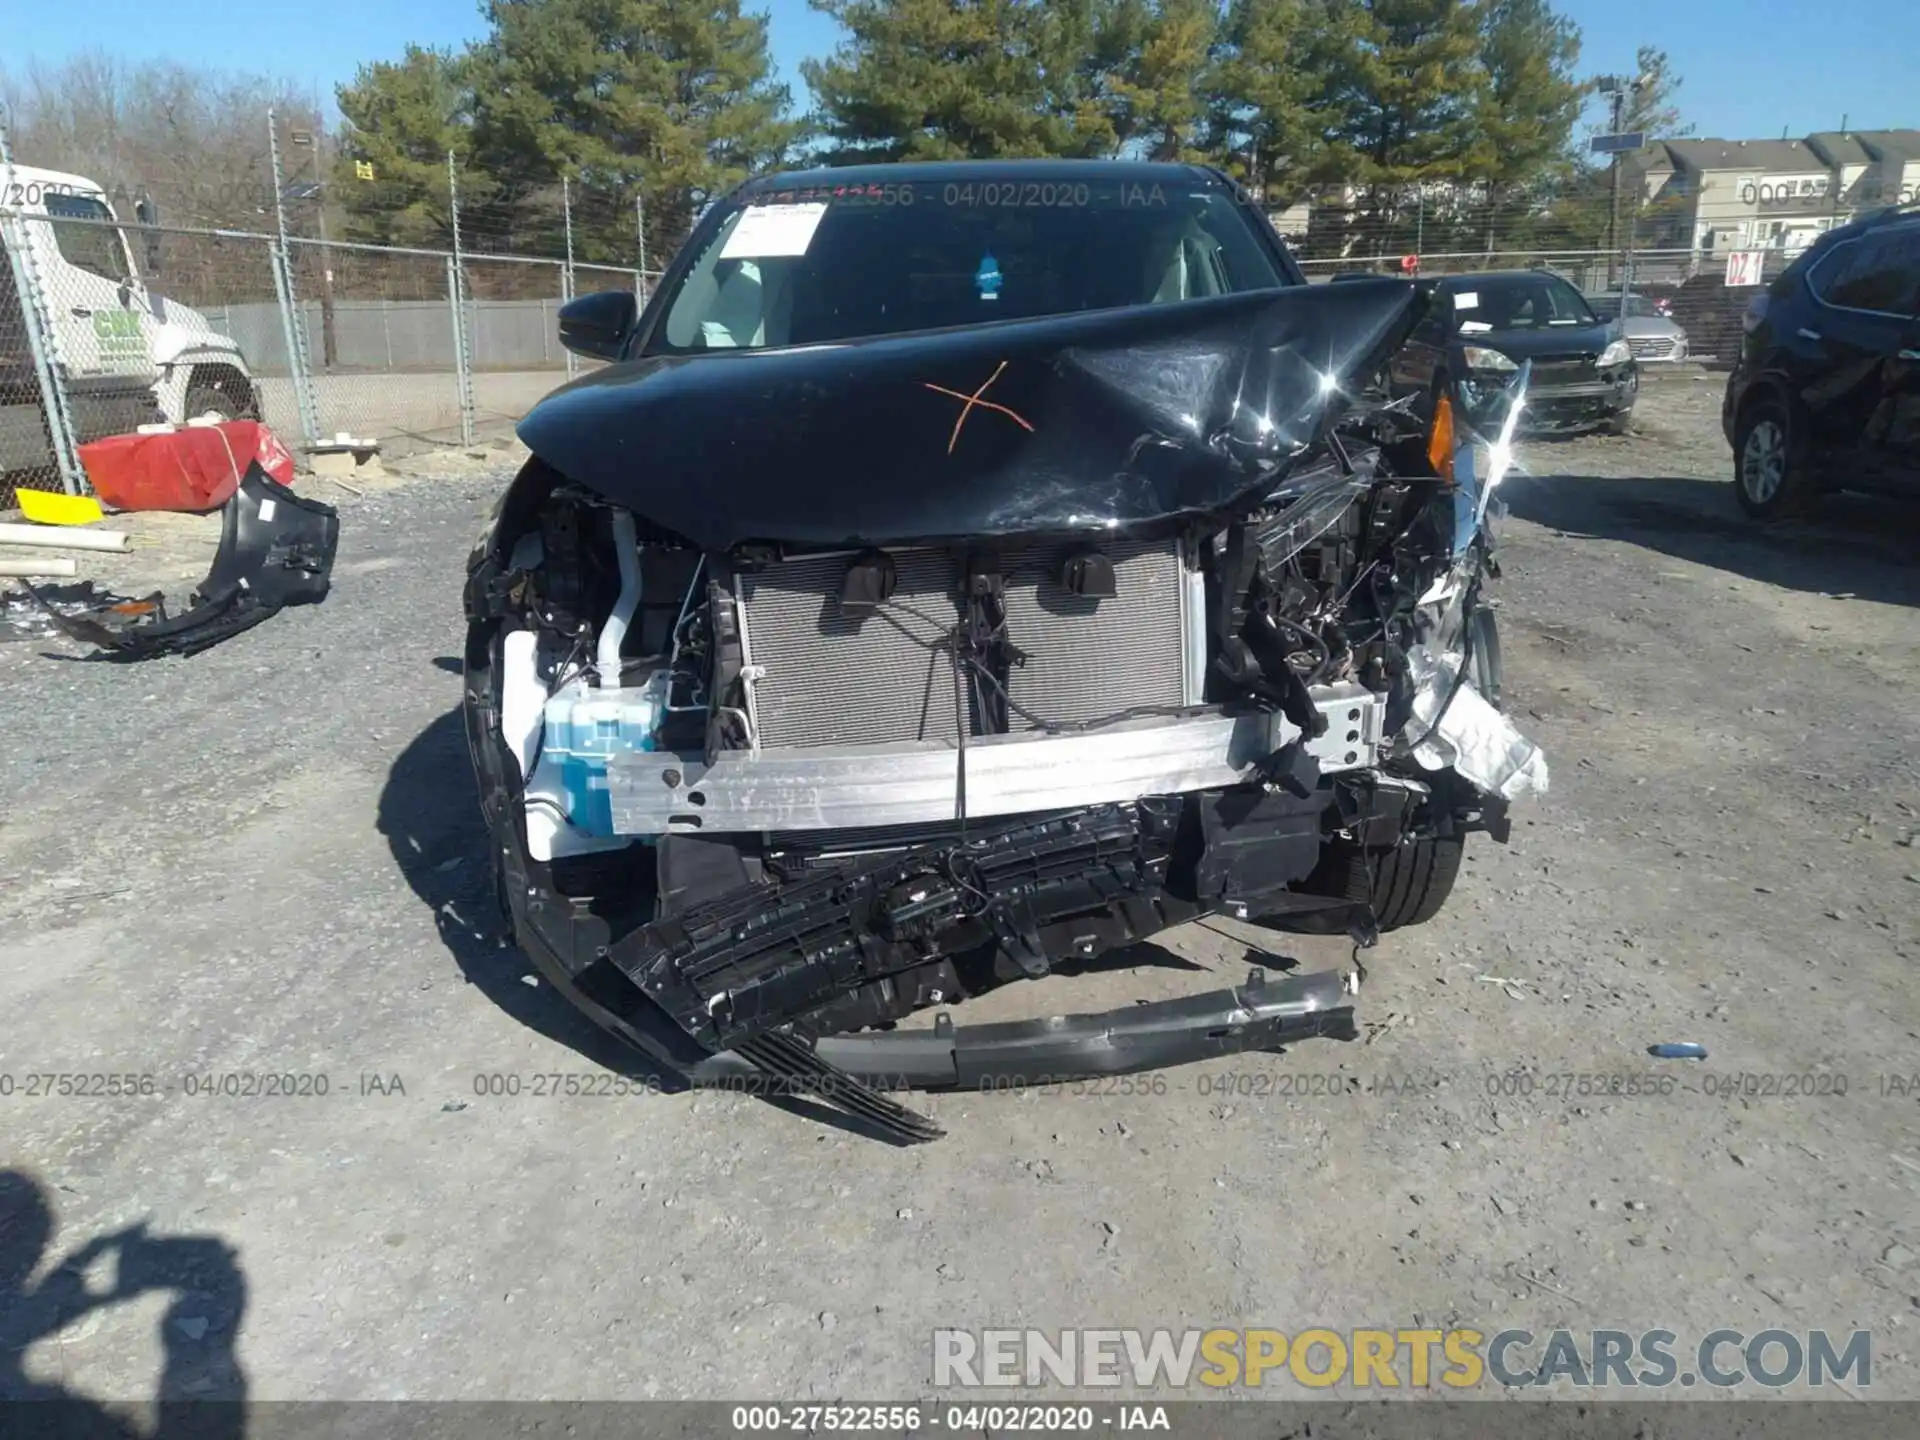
194, 468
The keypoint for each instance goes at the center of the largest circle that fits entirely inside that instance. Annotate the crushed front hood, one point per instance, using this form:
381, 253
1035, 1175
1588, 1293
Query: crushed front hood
1104, 420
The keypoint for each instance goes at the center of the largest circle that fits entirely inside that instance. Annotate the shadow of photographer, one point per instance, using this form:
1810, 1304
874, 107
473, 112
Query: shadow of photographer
202, 1389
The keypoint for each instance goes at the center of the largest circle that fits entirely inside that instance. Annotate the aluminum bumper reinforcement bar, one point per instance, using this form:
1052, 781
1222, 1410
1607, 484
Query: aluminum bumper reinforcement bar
832, 788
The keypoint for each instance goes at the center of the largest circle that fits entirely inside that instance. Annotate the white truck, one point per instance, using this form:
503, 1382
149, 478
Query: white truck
128, 355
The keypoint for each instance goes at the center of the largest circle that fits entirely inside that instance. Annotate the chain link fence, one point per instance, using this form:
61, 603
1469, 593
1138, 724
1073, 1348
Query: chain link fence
340, 306
29, 436
106, 326
380, 331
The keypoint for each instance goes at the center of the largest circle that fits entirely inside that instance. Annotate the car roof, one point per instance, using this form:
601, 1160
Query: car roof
1125, 172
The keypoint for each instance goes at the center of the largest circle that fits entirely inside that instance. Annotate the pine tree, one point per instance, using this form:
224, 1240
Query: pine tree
402, 118
1264, 92
1156, 93
1404, 89
967, 79
670, 99
1531, 99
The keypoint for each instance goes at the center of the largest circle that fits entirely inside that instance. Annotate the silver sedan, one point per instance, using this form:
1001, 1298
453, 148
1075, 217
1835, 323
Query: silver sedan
1653, 336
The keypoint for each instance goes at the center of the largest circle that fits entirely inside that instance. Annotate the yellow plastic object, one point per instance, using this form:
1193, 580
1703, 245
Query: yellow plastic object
49, 507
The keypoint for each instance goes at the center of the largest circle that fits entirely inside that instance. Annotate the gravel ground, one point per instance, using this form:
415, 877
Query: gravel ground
268, 859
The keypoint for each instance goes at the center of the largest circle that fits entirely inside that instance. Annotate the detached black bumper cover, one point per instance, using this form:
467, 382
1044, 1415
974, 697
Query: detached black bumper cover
758, 980
276, 549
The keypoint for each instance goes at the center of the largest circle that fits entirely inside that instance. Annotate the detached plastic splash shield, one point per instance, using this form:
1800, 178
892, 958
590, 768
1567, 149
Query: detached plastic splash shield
276, 549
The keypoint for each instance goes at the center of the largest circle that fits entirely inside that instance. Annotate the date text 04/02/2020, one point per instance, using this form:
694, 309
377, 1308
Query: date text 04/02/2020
967, 1419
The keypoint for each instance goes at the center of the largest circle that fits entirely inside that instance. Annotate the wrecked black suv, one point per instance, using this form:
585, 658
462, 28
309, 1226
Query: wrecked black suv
960, 571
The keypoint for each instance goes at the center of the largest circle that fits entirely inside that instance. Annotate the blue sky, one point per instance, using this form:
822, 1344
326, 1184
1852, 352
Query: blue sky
1751, 67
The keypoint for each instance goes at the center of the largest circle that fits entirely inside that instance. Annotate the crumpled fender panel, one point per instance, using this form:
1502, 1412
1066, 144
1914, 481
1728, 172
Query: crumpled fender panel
276, 549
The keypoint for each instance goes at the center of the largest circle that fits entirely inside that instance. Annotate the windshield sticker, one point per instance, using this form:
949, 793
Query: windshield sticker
765, 232
1467, 300
988, 277
1474, 327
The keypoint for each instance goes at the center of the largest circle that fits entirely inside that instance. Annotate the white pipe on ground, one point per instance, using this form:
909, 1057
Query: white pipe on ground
64, 537
51, 568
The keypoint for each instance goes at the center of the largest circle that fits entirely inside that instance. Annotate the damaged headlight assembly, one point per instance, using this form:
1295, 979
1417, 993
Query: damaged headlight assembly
780, 748
1481, 358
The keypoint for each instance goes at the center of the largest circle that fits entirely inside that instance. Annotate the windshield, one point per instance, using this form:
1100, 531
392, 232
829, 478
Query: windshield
1518, 302
83, 230
813, 266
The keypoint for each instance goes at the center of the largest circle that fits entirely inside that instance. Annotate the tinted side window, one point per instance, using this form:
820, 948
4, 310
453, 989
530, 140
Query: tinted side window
1878, 271
92, 243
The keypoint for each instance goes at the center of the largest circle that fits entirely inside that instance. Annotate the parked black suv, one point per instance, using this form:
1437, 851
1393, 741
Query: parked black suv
1825, 394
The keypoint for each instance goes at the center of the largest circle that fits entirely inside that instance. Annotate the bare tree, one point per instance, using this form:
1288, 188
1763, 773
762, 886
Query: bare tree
192, 137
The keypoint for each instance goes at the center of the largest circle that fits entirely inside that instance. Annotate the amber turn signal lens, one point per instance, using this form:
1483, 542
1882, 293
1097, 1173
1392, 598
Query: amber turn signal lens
1440, 442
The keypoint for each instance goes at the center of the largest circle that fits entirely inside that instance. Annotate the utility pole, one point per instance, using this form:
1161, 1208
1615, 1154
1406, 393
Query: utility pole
1613, 199
1620, 90
329, 348
317, 192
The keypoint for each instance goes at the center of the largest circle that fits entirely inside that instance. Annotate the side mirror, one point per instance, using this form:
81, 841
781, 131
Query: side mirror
148, 214
598, 325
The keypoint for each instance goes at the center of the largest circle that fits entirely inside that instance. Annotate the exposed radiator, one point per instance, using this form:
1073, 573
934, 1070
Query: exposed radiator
830, 680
